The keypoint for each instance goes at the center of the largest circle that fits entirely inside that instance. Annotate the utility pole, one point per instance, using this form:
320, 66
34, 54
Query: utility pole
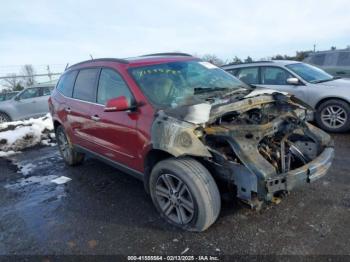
314, 48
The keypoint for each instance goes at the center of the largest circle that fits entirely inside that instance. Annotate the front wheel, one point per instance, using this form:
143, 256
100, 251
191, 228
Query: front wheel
333, 116
185, 194
70, 156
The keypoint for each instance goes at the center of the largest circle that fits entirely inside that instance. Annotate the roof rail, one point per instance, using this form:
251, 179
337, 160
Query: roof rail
243, 63
123, 61
170, 54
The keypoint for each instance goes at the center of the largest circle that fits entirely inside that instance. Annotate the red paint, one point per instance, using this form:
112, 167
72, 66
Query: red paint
119, 135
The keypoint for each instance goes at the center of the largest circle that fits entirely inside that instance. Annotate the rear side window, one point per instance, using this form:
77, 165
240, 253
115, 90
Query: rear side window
249, 75
344, 59
84, 88
66, 83
111, 85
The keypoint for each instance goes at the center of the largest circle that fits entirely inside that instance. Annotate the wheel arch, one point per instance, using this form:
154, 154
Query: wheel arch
6, 113
325, 99
152, 158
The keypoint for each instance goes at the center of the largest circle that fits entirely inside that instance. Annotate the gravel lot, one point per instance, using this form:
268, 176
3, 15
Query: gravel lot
103, 211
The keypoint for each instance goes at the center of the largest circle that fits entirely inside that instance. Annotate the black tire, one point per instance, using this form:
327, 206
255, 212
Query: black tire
4, 118
70, 156
326, 113
198, 191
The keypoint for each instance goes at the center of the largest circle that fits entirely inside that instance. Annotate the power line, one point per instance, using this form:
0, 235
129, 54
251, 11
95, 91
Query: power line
23, 76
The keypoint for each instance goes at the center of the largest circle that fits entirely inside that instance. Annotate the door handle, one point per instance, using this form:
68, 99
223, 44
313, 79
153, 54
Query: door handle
68, 109
95, 118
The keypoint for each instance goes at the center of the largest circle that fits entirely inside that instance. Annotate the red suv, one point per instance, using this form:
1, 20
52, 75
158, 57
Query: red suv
188, 130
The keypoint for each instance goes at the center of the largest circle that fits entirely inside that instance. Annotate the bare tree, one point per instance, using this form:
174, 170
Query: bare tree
213, 59
12, 83
28, 73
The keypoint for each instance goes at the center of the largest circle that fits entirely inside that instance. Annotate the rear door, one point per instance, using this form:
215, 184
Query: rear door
42, 101
78, 108
114, 132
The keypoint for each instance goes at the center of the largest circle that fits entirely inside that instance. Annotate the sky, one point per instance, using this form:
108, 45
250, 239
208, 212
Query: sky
63, 31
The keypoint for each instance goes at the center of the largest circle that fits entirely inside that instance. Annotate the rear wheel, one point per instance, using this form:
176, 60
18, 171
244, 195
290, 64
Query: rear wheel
185, 193
4, 118
334, 116
70, 156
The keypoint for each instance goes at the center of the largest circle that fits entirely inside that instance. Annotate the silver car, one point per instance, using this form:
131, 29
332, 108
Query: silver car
31, 102
328, 95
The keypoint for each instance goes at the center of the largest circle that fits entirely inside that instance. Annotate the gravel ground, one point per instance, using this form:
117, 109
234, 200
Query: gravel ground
103, 211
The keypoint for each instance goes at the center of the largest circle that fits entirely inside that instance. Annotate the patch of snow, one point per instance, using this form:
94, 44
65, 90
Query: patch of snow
40, 180
8, 153
26, 169
61, 180
17, 135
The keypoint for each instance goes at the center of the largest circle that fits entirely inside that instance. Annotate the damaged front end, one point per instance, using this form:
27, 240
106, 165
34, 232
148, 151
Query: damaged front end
261, 144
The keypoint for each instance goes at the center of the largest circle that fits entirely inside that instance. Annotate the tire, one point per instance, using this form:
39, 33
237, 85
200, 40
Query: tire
69, 155
198, 192
333, 116
4, 118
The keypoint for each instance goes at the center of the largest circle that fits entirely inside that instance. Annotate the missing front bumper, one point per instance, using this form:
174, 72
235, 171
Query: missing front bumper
314, 170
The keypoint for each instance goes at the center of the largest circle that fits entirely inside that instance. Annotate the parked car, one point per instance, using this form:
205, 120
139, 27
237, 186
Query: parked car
7, 96
334, 62
188, 130
30, 102
328, 95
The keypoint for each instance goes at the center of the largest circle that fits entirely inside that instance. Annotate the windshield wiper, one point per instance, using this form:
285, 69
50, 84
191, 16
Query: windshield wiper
202, 90
324, 80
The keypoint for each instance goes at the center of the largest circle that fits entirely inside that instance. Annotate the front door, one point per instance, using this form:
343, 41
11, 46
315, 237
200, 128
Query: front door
114, 132
273, 77
28, 103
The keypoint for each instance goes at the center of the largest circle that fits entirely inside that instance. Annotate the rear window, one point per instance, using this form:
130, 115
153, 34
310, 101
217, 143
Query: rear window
344, 59
85, 85
66, 83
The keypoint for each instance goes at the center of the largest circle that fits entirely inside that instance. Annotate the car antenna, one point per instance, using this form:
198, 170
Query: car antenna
91, 57
66, 66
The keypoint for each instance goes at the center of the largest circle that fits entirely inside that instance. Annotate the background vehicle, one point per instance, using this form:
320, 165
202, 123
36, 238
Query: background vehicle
334, 62
329, 96
180, 124
7, 96
30, 102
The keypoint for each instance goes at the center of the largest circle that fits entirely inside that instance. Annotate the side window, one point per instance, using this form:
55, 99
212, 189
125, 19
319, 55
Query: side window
111, 85
84, 88
30, 93
232, 71
274, 76
66, 83
47, 90
249, 75
344, 59
318, 59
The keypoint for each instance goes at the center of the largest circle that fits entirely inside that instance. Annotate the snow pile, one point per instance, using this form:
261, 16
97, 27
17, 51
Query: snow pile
17, 135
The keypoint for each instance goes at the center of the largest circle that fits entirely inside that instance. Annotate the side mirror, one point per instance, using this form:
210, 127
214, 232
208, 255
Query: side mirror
120, 103
293, 81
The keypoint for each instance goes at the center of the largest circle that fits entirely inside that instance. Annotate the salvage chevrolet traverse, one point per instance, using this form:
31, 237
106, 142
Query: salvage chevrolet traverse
189, 130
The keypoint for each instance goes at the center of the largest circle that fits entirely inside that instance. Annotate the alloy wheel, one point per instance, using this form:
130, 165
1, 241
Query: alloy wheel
175, 199
333, 116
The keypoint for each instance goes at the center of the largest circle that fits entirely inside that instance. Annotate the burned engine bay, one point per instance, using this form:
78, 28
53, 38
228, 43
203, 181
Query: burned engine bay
261, 144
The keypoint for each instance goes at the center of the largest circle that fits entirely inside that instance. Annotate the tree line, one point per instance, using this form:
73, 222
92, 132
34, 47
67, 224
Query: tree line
17, 82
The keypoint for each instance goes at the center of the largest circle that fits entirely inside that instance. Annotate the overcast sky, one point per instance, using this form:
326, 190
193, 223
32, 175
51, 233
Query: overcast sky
57, 32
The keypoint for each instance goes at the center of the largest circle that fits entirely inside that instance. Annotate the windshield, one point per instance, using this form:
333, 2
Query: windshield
310, 73
181, 83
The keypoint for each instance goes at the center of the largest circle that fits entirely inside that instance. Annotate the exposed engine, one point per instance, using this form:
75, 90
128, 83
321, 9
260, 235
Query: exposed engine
288, 151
